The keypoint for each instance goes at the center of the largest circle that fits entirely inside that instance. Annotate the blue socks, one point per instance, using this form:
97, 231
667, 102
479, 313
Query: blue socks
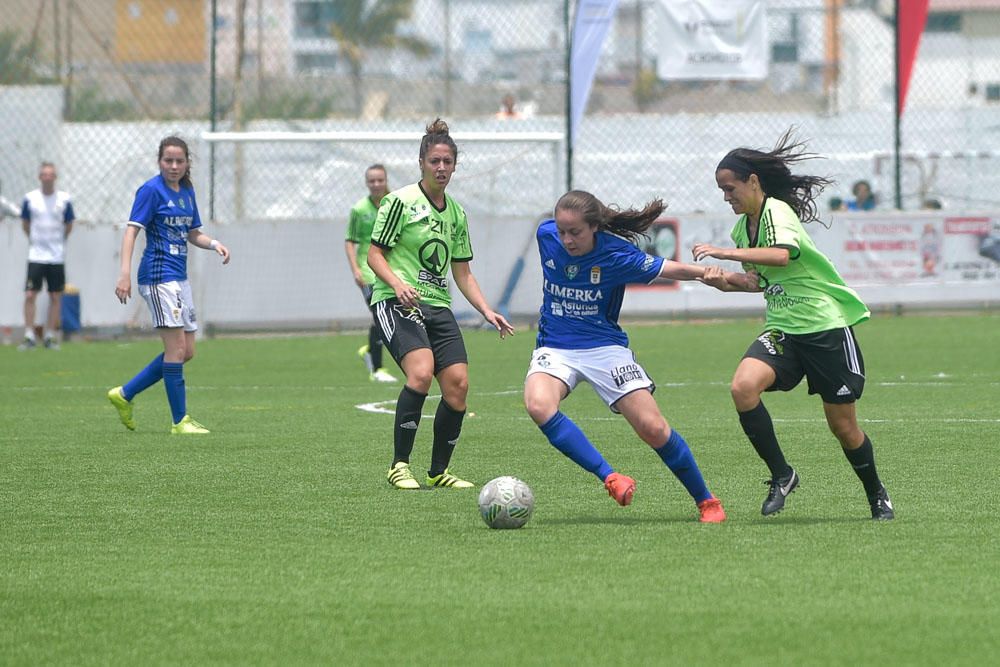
173, 381
146, 378
570, 440
678, 457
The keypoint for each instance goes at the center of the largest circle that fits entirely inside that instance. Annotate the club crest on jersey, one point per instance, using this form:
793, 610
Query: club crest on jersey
595, 275
571, 271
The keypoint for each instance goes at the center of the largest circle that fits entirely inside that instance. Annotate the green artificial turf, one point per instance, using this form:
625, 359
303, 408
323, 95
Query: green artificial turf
276, 539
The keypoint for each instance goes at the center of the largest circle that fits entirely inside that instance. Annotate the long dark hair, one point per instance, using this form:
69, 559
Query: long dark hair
776, 179
437, 133
629, 224
179, 143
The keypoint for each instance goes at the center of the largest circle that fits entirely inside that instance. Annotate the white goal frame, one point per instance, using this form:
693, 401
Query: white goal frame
555, 141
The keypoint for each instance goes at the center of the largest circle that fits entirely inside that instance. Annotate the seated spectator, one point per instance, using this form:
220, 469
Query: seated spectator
507, 107
836, 204
864, 199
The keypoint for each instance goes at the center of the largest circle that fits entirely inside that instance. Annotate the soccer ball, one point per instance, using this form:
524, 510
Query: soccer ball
506, 502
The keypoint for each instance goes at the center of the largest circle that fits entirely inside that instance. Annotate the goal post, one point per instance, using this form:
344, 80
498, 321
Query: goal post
281, 199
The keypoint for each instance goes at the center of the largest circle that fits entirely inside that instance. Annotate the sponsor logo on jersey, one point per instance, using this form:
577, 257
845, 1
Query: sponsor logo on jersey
170, 203
595, 275
549, 263
622, 375
574, 293
571, 271
774, 290
543, 360
434, 256
426, 276
648, 262
843, 391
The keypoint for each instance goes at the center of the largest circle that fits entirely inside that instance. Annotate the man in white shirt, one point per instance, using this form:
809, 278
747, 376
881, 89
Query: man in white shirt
47, 217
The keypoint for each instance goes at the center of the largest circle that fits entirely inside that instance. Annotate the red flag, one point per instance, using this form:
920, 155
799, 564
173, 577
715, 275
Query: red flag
910, 24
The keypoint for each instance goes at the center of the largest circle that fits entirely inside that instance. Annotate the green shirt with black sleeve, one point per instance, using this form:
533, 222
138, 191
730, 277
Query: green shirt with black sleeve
420, 243
808, 295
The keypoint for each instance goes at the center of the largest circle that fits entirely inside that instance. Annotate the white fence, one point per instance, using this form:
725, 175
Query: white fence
294, 274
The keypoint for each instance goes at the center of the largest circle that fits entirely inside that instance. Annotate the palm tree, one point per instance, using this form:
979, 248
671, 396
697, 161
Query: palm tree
363, 24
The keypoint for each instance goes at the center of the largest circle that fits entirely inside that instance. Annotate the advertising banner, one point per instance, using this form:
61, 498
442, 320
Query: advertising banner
712, 39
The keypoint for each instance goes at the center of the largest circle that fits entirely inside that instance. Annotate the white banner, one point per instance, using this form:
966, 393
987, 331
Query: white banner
593, 18
712, 39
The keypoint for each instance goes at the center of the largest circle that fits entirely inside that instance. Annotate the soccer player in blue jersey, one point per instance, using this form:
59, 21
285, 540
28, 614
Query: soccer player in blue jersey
588, 256
165, 208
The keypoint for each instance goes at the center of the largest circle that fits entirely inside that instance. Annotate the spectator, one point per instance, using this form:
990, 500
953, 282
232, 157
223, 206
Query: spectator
47, 217
864, 199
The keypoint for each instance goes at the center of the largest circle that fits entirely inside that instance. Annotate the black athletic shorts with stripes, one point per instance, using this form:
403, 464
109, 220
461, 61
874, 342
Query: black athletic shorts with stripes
831, 362
407, 328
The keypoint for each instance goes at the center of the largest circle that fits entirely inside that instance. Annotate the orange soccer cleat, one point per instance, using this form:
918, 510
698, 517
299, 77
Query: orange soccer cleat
620, 487
711, 511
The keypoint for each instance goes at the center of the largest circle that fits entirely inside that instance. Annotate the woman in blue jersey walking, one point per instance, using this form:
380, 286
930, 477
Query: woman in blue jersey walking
588, 256
165, 208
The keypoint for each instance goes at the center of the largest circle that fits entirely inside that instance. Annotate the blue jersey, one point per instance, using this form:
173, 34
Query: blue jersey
167, 216
582, 295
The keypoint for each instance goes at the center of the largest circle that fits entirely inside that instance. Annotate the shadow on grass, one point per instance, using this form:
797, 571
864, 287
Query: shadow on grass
618, 521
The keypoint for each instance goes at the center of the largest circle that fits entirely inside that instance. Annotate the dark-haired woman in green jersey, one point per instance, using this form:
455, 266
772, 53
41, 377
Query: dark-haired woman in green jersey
419, 234
810, 313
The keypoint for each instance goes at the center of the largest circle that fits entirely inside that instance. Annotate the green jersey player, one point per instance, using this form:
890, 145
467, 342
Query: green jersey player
420, 233
359, 234
811, 313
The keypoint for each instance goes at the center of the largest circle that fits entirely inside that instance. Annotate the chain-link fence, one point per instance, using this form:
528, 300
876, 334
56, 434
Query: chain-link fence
94, 85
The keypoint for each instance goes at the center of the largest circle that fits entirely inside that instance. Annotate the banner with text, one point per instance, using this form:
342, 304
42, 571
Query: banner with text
712, 39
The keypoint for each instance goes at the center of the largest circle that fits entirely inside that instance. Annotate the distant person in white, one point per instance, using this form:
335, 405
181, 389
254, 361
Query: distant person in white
47, 217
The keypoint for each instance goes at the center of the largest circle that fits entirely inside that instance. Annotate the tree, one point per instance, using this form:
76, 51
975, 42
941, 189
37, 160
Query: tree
17, 61
363, 24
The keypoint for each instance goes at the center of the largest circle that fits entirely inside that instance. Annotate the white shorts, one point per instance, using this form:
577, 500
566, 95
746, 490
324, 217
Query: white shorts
170, 304
611, 370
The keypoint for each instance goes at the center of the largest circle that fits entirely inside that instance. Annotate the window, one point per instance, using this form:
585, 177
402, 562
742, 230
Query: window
944, 22
313, 18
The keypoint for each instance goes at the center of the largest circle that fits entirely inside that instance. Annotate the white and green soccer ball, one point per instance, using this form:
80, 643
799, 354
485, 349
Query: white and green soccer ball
506, 502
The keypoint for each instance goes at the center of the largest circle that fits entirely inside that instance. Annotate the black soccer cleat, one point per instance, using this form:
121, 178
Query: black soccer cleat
881, 506
779, 490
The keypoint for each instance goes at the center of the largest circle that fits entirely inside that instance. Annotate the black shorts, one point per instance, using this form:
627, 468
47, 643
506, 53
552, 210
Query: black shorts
54, 275
366, 294
404, 329
830, 360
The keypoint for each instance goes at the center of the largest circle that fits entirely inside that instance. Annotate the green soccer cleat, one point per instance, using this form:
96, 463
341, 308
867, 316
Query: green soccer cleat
401, 477
366, 357
382, 375
123, 407
449, 481
188, 426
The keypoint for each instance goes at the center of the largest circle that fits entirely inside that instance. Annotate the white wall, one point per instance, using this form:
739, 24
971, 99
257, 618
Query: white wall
295, 274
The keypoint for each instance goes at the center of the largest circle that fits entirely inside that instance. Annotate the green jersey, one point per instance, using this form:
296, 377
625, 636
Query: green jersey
421, 242
359, 230
807, 295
